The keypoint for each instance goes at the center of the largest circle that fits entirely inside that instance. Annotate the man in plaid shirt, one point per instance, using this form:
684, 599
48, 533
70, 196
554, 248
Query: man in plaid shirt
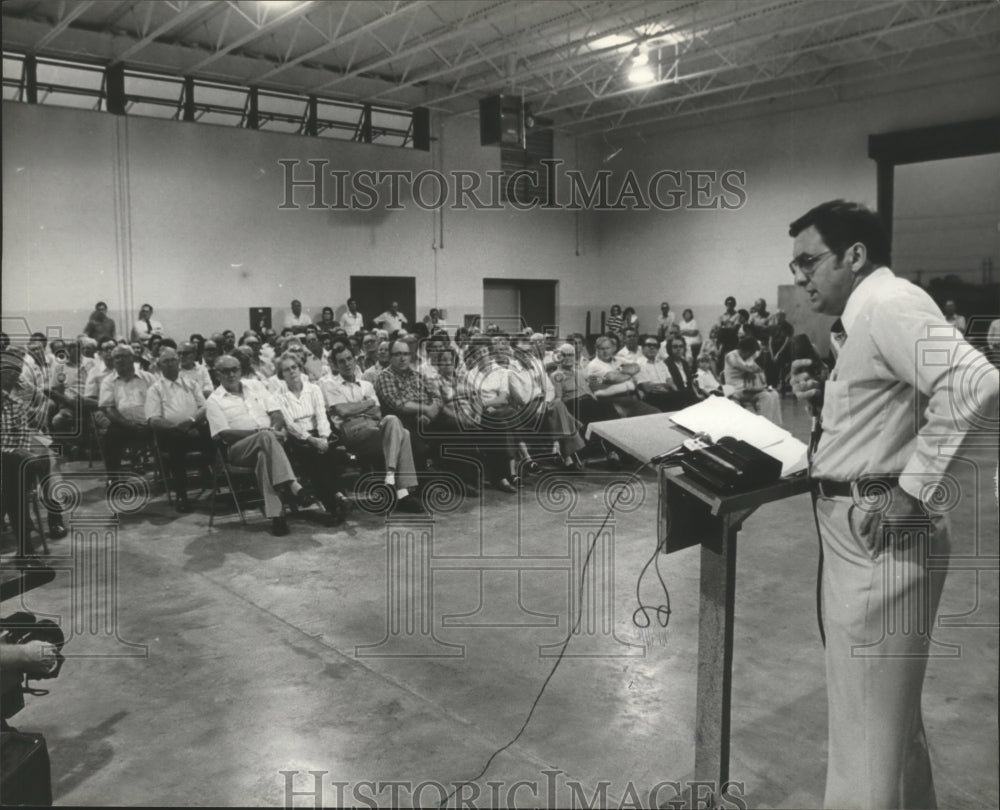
404, 392
20, 467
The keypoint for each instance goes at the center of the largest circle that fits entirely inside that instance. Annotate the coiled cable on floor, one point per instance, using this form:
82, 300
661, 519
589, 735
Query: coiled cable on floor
660, 610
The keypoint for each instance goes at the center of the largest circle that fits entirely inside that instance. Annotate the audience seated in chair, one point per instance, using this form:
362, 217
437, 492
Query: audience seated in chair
613, 380
247, 420
355, 412
750, 387
26, 458
175, 408
67, 381
319, 462
666, 384
406, 393
123, 400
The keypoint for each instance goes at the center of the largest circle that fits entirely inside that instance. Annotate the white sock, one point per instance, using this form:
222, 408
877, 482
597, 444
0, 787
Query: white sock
390, 478
402, 493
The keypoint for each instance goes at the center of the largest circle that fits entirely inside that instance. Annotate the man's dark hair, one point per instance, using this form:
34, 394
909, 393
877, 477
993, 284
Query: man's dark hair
842, 224
748, 344
168, 343
338, 346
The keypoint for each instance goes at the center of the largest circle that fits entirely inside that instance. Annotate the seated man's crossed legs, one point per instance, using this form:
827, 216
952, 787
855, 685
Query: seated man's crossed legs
275, 476
390, 442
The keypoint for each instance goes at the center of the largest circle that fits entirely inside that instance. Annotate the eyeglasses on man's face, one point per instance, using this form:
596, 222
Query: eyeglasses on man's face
806, 264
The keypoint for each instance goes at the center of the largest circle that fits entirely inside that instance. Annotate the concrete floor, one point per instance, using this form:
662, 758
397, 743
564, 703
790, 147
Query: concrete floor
260, 655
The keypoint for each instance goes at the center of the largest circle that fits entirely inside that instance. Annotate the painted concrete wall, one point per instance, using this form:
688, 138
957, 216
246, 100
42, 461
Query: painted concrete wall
792, 161
187, 217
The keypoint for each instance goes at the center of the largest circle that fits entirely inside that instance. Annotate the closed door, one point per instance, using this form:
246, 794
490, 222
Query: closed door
502, 305
515, 304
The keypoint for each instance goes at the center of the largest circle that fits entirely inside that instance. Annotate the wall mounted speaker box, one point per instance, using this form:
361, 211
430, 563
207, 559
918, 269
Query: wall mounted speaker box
422, 129
501, 121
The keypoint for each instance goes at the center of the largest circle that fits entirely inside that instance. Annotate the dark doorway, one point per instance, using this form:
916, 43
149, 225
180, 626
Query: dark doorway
375, 293
513, 304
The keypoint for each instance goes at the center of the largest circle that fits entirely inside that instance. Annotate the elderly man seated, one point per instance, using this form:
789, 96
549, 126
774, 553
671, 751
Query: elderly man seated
247, 420
533, 389
614, 380
406, 393
354, 408
175, 408
750, 387
24, 458
383, 347
667, 384
123, 400
573, 389
66, 385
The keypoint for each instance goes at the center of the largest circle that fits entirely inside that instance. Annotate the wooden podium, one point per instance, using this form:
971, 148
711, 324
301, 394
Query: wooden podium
691, 514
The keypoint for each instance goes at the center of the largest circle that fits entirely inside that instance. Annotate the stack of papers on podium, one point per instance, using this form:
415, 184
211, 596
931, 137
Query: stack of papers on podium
720, 417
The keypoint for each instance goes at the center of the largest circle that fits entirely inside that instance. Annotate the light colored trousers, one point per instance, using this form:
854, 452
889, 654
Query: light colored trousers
879, 603
263, 451
391, 439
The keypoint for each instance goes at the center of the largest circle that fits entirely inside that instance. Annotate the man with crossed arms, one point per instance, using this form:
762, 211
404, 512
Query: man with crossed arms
355, 412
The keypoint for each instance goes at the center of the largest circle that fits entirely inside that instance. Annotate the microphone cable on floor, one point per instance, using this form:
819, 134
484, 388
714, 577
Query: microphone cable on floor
660, 611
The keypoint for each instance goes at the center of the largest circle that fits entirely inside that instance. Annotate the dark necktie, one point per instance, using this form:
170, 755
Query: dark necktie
837, 338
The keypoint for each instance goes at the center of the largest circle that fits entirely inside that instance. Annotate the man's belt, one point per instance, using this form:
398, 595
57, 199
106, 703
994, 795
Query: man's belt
827, 488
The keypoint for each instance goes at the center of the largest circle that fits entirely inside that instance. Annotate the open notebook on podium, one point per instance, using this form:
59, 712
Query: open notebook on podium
646, 437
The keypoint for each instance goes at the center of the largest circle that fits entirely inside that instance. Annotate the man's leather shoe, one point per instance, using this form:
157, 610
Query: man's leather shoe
183, 506
279, 526
57, 531
506, 486
409, 504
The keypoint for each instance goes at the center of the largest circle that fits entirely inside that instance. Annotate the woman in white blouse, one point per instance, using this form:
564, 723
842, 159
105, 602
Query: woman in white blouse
691, 334
307, 443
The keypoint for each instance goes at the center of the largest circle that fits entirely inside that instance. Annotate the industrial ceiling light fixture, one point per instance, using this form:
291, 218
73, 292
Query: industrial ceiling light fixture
640, 71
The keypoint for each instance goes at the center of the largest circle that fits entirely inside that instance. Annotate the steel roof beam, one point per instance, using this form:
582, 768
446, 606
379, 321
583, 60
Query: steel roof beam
260, 31
768, 93
67, 19
452, 30
797, 52
592, 55
192, 12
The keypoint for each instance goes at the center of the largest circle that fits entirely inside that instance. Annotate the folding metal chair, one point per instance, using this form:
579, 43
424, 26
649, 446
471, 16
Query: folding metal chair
223, 471
162, 466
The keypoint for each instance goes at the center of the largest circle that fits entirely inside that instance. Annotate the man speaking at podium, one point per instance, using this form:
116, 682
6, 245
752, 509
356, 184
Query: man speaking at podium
903, 391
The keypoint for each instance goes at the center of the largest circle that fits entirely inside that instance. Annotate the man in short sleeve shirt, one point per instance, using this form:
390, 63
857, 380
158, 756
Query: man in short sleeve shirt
892, 416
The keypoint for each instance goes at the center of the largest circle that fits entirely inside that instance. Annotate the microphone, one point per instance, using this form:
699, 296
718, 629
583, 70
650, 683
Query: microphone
802, 349
696, 442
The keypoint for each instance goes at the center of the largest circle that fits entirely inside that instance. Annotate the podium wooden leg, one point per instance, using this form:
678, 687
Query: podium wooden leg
715, 659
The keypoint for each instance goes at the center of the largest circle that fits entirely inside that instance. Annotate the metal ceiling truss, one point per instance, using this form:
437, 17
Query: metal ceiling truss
569, 58
908, 28
768, 87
